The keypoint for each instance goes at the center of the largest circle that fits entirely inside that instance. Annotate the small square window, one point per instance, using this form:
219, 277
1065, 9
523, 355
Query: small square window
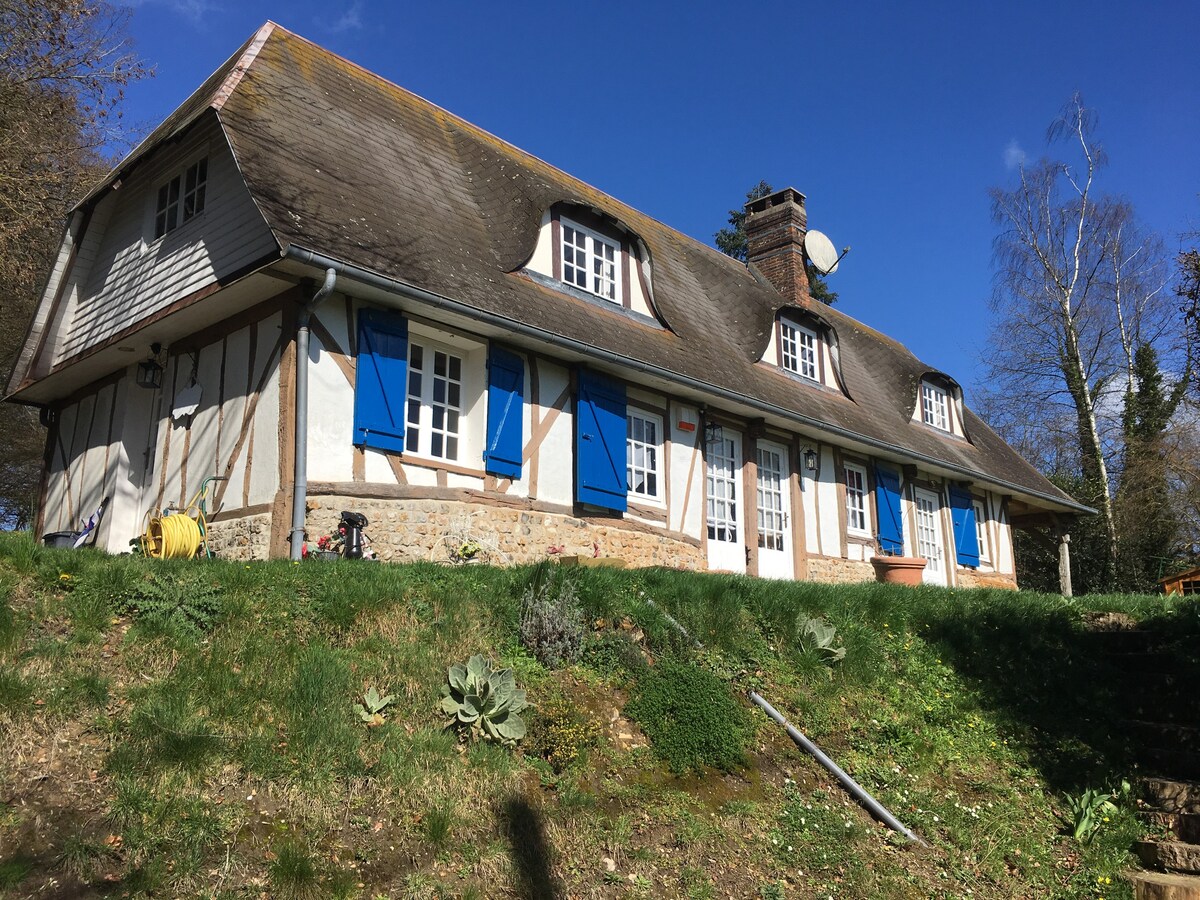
590, 261
857, 521
181, 198
643, 455
798, 350
934, 406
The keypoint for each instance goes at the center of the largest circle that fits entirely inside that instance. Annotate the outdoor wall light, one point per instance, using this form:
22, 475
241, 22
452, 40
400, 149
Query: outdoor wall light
810, 459
713, 433
149, 371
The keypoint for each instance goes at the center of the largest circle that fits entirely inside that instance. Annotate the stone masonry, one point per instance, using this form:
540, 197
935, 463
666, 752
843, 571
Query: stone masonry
245, 538
411, 530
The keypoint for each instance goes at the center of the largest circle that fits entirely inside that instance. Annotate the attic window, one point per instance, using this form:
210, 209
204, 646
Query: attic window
590, 261
934, 406
181, 199
799, 350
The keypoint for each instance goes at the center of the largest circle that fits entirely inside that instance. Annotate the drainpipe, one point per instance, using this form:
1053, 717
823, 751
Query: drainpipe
300, 475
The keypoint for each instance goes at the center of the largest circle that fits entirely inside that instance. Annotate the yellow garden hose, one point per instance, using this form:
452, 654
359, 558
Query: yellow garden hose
174, 536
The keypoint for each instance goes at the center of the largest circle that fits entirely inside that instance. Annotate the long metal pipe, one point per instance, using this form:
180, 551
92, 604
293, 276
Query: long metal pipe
300, 471
393, 286
877, 809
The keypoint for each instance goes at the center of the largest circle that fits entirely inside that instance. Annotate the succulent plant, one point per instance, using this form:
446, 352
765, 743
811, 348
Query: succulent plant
372, 707
484, 702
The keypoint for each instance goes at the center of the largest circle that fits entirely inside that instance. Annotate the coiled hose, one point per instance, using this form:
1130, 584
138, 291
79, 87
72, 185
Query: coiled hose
173, 536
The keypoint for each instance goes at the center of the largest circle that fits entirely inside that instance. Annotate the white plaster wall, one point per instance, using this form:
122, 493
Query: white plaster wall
556, 471
829, 522
809, 503
687, 503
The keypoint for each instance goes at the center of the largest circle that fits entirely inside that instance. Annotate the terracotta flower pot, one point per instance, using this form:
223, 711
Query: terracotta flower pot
899, 569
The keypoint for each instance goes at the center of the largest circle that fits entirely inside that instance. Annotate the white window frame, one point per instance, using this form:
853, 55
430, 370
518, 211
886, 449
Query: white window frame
981, 531
935, 406
602, 277
800, 350
650, 454
174, 210
857, 500
420, 418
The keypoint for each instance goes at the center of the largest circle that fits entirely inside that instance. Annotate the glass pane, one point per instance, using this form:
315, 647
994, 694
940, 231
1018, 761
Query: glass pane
416, 356
451, 448
455, 398
439, 390
439, 416
451, 421
439, 363
456, 368
435, 444
414, 384
410, 440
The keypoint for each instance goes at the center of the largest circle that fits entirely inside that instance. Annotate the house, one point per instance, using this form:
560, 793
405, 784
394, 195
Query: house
344, 297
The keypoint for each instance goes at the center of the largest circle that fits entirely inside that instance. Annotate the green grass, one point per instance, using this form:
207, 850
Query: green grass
209, 705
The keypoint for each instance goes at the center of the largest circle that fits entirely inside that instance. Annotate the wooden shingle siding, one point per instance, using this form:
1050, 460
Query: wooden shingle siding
127, 275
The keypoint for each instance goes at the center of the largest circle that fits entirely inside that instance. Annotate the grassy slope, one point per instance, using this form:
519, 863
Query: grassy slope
229, 762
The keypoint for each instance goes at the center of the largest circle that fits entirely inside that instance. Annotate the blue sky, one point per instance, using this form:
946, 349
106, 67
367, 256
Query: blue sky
894, 119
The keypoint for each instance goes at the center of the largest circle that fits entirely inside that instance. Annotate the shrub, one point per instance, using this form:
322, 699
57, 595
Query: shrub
613, 653
552, 622
691, 718
484, 702
561, 733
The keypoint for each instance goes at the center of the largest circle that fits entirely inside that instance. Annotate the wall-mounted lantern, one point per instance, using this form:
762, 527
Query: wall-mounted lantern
713, 433
149, 371
810, 459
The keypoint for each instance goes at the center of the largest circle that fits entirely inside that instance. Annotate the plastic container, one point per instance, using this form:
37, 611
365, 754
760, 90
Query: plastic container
61, 539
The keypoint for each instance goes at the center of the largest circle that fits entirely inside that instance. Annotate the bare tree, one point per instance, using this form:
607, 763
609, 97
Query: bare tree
1078, 288
63, 67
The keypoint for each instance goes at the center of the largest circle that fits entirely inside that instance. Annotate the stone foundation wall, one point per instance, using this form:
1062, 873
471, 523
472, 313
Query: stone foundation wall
973, 578
411, 530
245, 538
832, 570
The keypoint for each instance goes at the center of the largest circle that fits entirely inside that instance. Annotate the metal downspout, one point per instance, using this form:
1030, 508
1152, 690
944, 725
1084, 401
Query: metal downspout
300, 474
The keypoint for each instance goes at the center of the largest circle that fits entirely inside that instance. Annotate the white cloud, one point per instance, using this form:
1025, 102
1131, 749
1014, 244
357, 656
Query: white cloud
351, 19
1014, 156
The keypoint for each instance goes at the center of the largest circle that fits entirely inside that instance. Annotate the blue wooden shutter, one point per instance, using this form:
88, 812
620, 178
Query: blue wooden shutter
381, 379
966, 539
887, 506
600, 442
505, 413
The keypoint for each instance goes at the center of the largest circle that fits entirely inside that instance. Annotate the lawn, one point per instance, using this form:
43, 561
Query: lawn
190, 729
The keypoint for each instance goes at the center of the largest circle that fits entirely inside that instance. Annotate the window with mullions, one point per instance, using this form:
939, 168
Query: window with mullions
981, 531
934, 406
434, 408
590, 262
643, 455
798, 350
856, 499
181, 199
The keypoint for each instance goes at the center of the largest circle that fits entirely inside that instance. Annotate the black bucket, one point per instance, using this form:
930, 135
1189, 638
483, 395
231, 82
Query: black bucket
61, 539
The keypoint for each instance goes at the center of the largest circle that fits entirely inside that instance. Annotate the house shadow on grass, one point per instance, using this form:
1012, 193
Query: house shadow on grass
531, 852
1079, 692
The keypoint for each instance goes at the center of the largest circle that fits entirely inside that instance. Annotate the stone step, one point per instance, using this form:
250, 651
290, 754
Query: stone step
1164, 886
1174, 856
1161, 735
1151, 662
1167, 795
1184, 826
1157, 697
1179, 764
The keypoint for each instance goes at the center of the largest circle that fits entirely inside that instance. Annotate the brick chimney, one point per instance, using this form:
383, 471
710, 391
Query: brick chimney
775, 228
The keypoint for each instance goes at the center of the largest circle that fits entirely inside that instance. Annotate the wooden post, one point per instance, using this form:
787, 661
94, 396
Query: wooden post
1064, 562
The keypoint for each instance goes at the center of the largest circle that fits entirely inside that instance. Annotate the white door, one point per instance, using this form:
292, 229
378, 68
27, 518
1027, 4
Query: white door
929, 536
726, 540
774, 508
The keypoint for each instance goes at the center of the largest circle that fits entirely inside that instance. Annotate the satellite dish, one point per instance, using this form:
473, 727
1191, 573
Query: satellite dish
821, 252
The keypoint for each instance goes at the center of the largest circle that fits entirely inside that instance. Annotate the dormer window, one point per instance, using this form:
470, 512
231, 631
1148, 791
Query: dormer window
935, 406
591, 262
181, 199
799, 350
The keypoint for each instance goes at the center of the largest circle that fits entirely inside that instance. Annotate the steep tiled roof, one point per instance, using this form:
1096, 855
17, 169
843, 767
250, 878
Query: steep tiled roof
345, 163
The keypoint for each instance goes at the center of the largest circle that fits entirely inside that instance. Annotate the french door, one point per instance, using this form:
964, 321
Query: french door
929, 536
775, 556
726, 539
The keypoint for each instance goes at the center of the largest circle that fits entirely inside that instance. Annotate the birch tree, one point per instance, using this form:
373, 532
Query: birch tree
1078, 289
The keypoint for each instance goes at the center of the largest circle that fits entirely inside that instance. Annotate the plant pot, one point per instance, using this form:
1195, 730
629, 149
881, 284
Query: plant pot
899, 569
